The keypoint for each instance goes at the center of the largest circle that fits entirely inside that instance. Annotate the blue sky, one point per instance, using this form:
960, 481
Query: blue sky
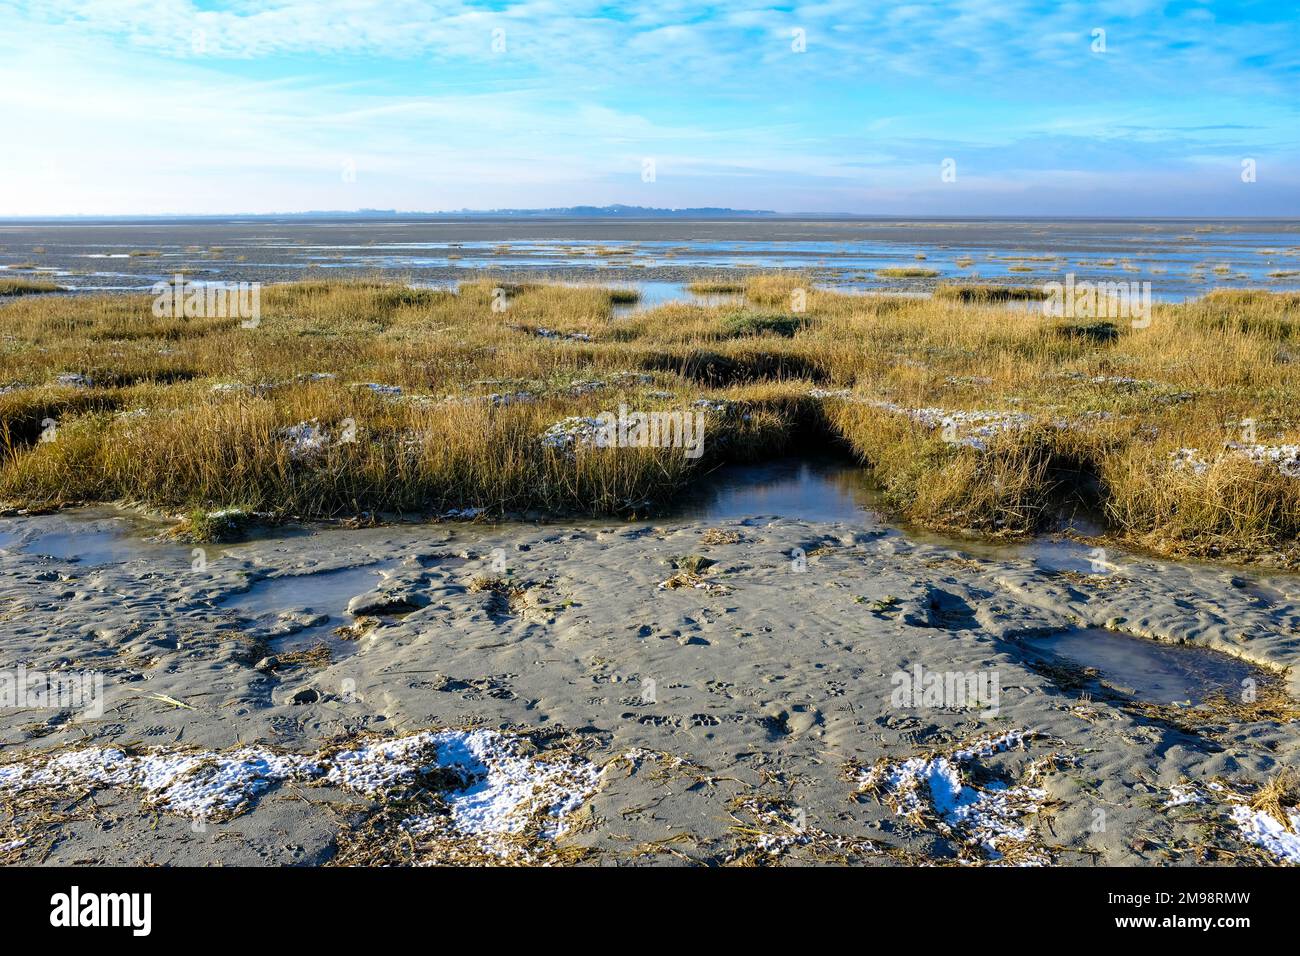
171, 106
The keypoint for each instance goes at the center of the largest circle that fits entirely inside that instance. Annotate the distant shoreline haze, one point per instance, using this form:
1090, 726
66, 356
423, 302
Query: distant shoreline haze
598, 213
563, 212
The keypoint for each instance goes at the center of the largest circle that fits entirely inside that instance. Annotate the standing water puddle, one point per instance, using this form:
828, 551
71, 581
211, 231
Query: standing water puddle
800, 488
92, 548
1149, 671
651, 295
93, 538
313, 594
831, 489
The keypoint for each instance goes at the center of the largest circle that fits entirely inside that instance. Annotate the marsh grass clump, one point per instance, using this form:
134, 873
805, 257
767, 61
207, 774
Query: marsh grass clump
372, 397
1098, 332
777, 290
1277, 796
907, 272
989, 293
1004, 488
716, 287
28, 413
202, 526
1268, 315
1229, 505
739, 324
25, 286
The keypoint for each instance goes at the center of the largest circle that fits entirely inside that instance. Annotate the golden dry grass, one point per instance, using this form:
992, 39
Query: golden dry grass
25, 286
191, 413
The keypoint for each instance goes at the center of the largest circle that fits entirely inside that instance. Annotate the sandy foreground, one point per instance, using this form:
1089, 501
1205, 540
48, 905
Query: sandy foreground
535, 694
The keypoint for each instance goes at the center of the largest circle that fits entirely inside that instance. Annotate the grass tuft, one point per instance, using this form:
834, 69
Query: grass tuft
26, 286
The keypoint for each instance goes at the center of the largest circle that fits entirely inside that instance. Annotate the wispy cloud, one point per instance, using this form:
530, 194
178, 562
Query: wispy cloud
173, 106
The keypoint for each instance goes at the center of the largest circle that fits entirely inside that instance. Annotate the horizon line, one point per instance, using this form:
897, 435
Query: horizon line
545, 213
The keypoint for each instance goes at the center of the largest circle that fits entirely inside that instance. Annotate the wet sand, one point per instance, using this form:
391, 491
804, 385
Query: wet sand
1181, 258
750, 718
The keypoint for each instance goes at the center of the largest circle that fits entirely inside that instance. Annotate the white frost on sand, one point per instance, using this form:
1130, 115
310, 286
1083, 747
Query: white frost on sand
202, 785
988, 746
1263, 830
494, 787
988, 817
187, 784
506, 789
1182, 795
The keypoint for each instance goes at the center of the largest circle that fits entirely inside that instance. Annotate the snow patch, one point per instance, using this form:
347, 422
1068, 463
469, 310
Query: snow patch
305, 440
1259, 827
1284, 458
493, 786
572, 336
988, 817
568, 433
1183, 795
378, 388
1264, 830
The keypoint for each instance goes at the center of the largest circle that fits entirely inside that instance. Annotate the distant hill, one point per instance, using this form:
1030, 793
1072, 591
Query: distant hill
618, 211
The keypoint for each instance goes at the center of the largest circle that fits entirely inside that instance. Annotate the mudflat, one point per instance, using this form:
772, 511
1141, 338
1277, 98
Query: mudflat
687, 691
1180, 257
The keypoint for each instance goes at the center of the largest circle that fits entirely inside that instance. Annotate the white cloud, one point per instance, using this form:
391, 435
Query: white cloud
123, 107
